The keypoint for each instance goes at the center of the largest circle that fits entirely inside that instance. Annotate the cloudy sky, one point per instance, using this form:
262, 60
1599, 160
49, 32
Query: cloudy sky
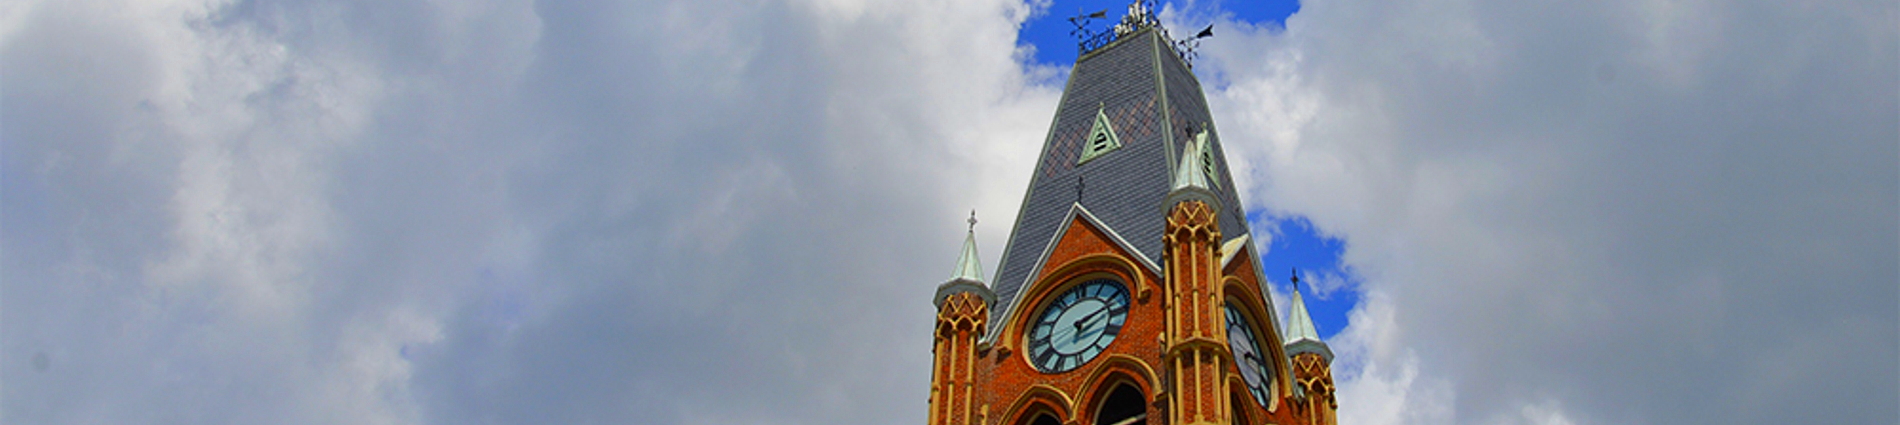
734, 212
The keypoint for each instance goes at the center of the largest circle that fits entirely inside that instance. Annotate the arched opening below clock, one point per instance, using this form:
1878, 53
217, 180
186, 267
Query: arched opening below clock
1045, 419
1124, 406
1239, 406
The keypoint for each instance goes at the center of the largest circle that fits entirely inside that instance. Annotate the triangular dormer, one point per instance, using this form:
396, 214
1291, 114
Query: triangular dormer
1101, 139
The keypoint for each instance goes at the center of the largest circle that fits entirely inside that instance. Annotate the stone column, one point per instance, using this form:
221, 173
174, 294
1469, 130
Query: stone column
1197, 351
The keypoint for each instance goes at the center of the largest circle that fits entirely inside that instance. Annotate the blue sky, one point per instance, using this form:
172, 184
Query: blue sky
1295, 242
1049, 29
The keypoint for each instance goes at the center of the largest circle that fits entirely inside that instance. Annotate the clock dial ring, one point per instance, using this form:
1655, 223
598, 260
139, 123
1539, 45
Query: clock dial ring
1243, 341
1077, 325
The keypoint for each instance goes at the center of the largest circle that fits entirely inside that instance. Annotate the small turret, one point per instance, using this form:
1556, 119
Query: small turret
1312, 362
1191, 180
963, 313
968, 276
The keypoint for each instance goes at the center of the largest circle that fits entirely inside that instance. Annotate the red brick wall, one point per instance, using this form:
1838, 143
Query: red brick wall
1008, 389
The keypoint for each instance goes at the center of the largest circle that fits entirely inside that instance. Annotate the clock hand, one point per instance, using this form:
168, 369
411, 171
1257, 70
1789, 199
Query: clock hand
1087, 319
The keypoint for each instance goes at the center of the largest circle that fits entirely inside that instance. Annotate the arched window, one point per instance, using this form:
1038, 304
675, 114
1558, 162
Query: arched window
1045, 419
1239, 408
1124, 406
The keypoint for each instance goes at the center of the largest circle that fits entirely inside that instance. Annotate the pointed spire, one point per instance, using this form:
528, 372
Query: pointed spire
1192, 173
969, 264
968, 276
1301, 336
1190, 178
1300, 325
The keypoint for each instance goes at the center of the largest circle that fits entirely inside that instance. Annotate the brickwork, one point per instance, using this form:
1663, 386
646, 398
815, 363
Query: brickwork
1016, 390
1315, 375
1197, 354
994, 383
960, 320
1172, 345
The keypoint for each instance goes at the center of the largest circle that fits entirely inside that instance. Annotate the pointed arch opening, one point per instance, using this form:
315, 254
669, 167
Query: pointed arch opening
1239, 408
1125, 405
1044, 418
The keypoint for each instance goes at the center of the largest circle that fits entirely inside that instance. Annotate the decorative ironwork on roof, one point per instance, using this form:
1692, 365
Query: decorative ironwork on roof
1141, 15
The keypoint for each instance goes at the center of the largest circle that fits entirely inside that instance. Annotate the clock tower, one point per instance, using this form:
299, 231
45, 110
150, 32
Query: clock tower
1130, 291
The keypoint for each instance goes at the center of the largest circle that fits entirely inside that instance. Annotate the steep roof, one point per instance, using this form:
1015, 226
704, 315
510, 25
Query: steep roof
969, 265
1301, 336
1153, 104
1299, 325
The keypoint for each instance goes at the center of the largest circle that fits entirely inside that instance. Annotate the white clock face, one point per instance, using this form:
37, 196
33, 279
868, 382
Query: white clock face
1247, 354
1078, 325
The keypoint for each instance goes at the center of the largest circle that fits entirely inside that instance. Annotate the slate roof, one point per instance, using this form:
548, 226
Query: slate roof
1155, 105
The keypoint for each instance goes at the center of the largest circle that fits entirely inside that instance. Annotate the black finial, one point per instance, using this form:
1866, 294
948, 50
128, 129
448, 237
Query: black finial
1081, 32
973, 220
1296, 279
1078, 188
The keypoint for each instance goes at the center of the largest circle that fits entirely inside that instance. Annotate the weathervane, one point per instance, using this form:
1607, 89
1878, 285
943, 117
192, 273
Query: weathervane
1081, 22
1087, 39
1141, 14
1185, 47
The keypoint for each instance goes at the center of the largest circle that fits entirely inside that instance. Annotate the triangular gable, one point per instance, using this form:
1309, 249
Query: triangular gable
1102, 138
1077, 215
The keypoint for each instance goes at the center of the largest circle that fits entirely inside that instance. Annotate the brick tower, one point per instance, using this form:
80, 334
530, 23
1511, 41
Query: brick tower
1312, 363
1130, 291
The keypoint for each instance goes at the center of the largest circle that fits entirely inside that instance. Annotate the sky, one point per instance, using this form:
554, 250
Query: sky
734, 212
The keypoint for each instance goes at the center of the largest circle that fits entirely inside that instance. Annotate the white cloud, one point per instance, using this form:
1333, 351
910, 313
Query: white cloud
1626, 212
1378, 378
696, 212
495, 211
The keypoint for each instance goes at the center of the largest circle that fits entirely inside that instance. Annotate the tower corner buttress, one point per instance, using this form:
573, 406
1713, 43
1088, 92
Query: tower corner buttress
1312, 363
1197, 355
963, 311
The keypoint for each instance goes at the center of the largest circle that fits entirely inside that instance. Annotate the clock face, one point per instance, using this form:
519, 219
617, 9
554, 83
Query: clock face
1247, 354
1078, 325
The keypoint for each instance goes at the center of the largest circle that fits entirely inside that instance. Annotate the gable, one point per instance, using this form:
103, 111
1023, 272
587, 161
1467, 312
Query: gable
1080, 239
1080, 235
1101, 138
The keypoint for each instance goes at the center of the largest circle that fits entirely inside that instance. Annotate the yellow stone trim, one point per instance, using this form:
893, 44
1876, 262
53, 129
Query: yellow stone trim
1273, 345
1105, 376
1059, 403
